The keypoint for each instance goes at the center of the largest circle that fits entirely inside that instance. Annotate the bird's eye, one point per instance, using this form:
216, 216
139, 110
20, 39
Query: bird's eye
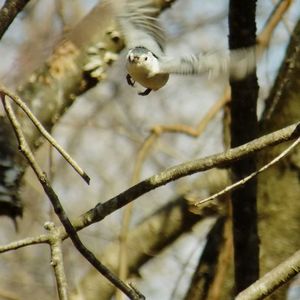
146, 58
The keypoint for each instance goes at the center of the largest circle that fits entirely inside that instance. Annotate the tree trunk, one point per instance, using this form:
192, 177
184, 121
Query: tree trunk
279, 187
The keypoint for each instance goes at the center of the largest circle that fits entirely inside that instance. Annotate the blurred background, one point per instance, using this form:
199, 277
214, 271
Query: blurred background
104, 130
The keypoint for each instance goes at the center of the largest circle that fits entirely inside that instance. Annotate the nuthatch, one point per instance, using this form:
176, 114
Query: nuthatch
147, 63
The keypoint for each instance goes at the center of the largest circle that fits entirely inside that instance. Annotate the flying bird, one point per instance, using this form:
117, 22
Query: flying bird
147, 63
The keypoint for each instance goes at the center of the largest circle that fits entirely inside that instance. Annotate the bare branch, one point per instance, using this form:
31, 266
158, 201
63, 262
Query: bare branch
264, 38
151, 236
57, 260
218, 160
249, 177
41, 239
59, 210
272, 280
8, 12
45, 133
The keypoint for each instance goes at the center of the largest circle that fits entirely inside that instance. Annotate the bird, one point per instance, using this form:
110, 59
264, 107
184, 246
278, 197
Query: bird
149, 65
143, 66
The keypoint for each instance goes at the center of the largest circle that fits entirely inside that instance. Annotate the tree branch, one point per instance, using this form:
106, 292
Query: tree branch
8, 12
272, 280
176, 172
102, 210
45, 133
57, 260
58, 208
151, 236
252, 175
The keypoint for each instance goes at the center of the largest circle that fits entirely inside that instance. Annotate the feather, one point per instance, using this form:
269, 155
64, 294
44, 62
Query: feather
139, 25
236, 63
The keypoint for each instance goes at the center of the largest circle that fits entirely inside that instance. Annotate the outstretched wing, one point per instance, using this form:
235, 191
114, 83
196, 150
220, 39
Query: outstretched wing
236, 63
139, 25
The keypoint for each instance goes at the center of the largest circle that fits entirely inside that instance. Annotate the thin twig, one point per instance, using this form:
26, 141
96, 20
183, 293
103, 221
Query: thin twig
264, 37
249, 177
41, 239
284, 19
58, 208
55, 243
45, 133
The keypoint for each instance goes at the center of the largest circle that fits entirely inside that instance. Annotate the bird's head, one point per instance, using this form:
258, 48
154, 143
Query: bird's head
143, 58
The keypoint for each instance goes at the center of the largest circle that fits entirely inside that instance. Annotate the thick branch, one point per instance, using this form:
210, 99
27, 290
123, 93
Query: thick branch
102, 210
272, 280
146, 239
57, 263
8, 12
218, 160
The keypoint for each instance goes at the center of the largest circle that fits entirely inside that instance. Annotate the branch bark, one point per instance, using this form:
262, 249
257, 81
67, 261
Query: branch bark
8, 13
102, 210
148, 238
59, 210
272, 280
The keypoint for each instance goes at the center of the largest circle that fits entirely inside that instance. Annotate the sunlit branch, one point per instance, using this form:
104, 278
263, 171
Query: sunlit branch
252, 175
58, 208
218, 160
8, 12
45, 133
272, 280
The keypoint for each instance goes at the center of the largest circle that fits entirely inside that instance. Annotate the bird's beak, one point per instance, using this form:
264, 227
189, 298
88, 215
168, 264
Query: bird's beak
133, 58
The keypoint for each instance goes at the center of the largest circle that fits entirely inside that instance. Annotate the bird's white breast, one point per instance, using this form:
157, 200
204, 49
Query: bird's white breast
141, 75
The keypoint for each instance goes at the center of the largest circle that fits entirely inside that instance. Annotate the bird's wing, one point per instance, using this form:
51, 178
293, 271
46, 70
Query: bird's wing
139, 25
237, 63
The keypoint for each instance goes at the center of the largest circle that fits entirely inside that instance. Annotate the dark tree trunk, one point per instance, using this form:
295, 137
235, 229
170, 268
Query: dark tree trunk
242, 33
